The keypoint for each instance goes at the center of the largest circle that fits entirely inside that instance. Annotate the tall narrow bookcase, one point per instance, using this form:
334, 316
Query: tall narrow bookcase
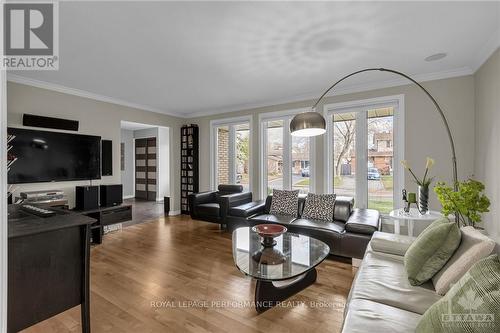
189, 164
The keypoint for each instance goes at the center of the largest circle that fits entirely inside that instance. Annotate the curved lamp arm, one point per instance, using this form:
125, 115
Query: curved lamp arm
443, 118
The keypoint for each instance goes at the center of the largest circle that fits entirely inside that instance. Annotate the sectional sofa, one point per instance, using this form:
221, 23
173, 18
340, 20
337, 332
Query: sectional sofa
347, 236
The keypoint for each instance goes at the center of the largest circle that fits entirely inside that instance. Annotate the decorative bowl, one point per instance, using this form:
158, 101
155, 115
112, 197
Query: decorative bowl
268, 232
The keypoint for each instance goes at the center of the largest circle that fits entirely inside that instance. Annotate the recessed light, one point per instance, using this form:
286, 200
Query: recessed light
437, 56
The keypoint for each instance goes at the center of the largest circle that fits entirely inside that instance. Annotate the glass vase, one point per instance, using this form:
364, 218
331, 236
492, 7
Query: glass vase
423, 199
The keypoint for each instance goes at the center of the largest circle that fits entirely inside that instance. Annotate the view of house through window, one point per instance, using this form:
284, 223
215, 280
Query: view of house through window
287, 158
232, 161
376, 182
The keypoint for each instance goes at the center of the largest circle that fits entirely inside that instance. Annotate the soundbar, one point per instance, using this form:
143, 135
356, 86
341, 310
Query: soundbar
49, 122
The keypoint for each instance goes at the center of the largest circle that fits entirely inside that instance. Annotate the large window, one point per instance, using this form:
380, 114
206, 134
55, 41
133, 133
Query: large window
286, 159
364, 140
231, 152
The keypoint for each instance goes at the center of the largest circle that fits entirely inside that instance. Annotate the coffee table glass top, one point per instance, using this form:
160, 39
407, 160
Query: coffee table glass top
292, 255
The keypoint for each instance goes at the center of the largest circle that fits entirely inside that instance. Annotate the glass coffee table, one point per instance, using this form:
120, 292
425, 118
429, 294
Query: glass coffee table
281, 270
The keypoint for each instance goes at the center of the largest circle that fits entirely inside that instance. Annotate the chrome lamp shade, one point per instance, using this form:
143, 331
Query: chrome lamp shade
308, 124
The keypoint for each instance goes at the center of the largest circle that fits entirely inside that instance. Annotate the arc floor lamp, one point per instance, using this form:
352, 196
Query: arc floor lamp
312, 123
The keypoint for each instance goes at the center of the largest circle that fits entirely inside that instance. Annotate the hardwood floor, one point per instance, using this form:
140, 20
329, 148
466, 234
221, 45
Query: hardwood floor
177, 260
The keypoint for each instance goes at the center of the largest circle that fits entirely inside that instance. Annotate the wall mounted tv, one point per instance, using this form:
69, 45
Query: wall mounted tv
44, 156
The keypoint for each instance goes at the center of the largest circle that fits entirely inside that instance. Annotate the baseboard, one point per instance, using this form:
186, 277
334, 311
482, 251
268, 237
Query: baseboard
128, 197
174, 212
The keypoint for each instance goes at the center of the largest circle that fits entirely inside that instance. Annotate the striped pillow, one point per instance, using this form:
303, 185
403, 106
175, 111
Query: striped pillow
471, 305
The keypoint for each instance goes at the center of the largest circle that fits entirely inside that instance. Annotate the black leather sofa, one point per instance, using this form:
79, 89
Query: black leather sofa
213, 206
348, 235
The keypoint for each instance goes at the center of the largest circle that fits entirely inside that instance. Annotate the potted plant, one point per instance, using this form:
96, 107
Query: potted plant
423, 184
467, 203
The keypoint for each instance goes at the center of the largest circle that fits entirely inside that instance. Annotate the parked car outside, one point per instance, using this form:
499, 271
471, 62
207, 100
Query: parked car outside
373, 174
305, 172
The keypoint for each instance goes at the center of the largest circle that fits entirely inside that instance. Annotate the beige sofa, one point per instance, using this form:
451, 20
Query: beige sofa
381, 298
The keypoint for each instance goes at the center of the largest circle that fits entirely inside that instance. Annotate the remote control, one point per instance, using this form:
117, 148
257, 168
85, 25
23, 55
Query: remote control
42, 212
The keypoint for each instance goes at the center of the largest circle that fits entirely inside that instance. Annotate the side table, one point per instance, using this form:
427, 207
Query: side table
413, 215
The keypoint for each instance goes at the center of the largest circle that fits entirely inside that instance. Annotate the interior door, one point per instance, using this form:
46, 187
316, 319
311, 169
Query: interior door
145, 169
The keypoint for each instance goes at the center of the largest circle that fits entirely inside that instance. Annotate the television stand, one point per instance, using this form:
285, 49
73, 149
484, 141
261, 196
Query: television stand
106, 216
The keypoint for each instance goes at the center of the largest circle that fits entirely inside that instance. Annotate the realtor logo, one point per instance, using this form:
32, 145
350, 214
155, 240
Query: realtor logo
30, 36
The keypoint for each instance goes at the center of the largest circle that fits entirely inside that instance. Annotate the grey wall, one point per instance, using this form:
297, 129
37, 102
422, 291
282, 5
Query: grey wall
127, 138
96, 118
424, 131
487, 137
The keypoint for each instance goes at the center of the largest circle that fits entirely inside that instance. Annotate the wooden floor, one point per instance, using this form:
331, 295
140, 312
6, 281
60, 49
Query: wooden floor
177, 260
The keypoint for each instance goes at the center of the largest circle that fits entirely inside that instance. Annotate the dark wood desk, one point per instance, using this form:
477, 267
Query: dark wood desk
48, 263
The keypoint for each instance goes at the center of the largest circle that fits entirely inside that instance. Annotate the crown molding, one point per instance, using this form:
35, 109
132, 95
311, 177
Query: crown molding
485, 52
463, 71
85, 94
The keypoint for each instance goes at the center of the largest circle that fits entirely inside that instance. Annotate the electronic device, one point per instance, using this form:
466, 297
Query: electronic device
47, 197
44, 156
49, 122
111, 195
107, 158
86, 197
38, 211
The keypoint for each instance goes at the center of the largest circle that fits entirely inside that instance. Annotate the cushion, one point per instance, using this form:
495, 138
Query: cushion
319, 207
473, 247
363, 221
471, 305
382, 278
271, 218
431, 250
343, 208
391, 243
368, 316
301, 223
284, 202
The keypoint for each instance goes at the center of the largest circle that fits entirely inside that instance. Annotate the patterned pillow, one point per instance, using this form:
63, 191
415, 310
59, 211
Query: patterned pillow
319, 207
284, 202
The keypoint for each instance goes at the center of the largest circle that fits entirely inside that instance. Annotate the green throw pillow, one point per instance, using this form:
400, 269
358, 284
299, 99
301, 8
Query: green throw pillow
471, 305
431, 250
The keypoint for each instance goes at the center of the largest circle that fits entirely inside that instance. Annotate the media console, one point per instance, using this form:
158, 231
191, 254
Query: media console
106, 216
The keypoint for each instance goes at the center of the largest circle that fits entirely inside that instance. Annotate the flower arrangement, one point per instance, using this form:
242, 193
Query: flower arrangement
424, 182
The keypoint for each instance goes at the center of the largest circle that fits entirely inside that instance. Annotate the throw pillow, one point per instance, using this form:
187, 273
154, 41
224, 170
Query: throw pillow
319, 207
284, 202
431, 250
473, 247
471, 305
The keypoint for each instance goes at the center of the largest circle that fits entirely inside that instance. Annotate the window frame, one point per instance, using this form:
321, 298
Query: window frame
286, 116
361, 141
231, 123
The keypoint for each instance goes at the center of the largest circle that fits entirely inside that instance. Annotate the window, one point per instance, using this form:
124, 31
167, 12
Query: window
230, 152
285, 159
362, 148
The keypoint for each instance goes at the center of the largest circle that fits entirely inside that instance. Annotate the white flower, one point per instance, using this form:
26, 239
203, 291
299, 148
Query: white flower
430, 163
405, 164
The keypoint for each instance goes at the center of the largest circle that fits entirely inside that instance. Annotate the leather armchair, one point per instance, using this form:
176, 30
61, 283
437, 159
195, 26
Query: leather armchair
213, 206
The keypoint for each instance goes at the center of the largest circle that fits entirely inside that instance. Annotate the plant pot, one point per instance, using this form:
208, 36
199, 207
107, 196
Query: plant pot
423, 199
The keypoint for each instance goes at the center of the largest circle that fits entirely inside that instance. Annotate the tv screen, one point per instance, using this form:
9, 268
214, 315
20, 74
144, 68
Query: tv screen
44, 156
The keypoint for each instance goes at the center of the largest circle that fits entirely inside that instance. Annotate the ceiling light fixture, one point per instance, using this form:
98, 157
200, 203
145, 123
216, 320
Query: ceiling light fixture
434, 57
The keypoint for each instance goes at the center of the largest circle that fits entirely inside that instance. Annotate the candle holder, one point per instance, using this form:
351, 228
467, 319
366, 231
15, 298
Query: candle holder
408, 199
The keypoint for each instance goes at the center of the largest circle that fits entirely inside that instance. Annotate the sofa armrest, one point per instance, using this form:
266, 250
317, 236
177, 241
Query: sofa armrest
230, 200
390, 243
363, 221
247, 210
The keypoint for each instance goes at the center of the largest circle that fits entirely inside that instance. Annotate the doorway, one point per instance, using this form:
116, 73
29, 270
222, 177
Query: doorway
145, 169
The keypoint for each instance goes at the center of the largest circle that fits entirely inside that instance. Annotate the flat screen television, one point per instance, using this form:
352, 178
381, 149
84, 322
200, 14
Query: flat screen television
44, 156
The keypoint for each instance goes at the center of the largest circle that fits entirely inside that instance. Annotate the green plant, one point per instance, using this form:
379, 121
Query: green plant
467, 203
425, 182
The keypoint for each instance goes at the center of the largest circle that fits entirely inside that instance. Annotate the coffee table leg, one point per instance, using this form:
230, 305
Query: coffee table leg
268, 295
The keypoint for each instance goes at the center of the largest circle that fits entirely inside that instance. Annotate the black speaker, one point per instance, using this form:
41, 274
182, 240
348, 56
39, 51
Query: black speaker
106, 158
87, 197
49, 122
111, 195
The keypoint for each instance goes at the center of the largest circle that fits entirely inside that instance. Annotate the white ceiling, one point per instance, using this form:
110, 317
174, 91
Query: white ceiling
207, 57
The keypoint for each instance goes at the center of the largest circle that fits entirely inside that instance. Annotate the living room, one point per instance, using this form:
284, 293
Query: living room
255, 166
